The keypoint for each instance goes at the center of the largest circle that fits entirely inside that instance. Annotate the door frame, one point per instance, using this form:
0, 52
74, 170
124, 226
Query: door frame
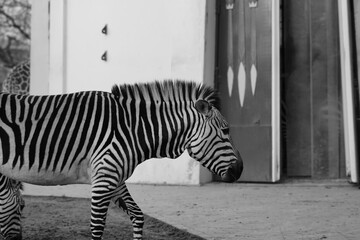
275, 91
48, 47
351, 154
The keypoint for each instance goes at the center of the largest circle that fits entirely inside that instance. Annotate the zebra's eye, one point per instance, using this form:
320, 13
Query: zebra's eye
225, 131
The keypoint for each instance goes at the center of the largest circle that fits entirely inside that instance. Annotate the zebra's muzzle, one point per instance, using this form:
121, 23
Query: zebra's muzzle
234, 171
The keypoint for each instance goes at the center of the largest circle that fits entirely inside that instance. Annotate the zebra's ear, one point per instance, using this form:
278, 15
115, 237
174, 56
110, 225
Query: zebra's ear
203, 107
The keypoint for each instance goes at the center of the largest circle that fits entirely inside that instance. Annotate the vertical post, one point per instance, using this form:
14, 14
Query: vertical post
347, 92
57, 47
275, 89
39, 55
230, 47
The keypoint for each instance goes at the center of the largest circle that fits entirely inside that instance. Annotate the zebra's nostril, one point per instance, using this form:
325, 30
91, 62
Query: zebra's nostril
234, 171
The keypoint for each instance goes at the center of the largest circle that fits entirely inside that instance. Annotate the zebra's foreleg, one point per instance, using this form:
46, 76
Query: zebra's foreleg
9, 209
124, 200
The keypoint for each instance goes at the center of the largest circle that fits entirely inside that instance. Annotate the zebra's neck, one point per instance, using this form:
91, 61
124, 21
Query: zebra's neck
156, 129
157, 119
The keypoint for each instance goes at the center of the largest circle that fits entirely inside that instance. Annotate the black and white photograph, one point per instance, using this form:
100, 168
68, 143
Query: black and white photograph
179, 119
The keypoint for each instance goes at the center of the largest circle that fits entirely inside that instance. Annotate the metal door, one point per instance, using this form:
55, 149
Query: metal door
312, 87
248, 83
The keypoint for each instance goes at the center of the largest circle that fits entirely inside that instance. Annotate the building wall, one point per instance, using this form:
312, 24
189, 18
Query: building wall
145, 40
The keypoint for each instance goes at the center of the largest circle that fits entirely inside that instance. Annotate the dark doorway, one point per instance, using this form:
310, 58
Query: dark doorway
311, 84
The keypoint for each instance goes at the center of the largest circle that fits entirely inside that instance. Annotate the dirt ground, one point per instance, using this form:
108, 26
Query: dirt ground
320, 210
300, 210
63, 218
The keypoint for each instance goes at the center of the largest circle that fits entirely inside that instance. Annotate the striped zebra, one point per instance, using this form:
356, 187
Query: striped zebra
99, 138
17, 82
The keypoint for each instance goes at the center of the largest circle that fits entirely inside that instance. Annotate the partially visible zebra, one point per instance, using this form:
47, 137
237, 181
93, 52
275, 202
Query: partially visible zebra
99, 138
18, 79
16, 82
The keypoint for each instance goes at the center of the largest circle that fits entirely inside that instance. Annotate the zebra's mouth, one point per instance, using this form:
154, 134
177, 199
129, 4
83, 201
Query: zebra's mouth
234, 171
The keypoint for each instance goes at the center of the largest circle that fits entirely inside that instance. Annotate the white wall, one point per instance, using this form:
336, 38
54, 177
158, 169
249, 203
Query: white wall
147, 40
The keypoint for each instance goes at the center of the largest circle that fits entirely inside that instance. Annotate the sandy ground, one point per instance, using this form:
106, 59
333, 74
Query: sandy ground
258, 211
300, 210
64, 218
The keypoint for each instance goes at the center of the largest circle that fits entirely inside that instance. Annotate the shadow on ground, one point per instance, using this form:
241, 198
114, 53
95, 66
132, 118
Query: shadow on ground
60, 218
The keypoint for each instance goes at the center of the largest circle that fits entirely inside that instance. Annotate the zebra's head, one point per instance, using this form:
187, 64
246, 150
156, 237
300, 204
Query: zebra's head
211, 144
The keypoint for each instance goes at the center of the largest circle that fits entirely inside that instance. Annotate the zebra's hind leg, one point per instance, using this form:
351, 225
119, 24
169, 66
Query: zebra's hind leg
123, 199
10, 208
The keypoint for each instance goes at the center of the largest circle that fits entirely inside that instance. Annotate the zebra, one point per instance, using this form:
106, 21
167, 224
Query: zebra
17, 82
98, 138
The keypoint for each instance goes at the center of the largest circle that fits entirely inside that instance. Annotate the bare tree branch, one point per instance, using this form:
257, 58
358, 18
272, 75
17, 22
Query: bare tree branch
14, 31
14, 24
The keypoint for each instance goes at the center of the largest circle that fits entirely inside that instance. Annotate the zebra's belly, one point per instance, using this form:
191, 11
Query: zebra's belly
76, 175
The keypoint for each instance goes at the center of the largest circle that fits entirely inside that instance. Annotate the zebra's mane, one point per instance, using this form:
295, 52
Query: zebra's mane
167, 91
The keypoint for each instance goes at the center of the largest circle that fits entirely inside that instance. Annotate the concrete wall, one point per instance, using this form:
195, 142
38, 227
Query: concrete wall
146, 40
